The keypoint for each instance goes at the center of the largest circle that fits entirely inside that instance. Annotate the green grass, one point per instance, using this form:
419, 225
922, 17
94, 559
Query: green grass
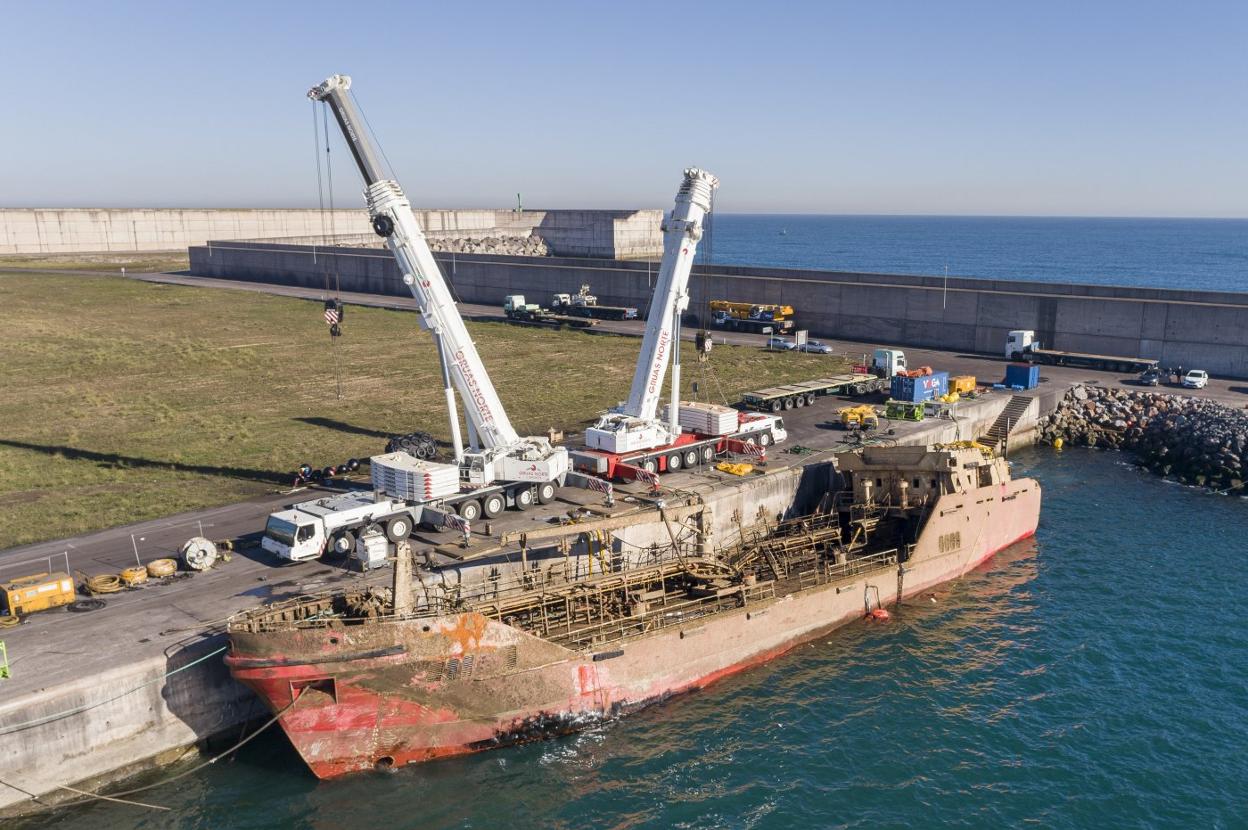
138, 262
126, 400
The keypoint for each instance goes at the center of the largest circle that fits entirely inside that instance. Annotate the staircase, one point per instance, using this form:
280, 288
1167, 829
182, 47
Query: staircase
1006, 421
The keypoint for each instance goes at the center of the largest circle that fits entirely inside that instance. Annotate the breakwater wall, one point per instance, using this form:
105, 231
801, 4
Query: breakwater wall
1205, 329
619, 234
1191, 440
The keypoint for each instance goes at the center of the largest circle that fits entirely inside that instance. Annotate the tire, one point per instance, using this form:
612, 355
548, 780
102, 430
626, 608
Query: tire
673, 462
546, 492
493, 505
788, 403
469, 510
525, 498
776, 406
810, 399
649, 465
399, 528
341, 543
751, 440
708, 454
764, 439
799, 401
691, 458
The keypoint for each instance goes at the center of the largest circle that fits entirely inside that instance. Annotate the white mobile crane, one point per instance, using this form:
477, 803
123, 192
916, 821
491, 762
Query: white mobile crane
633, 435
501, 469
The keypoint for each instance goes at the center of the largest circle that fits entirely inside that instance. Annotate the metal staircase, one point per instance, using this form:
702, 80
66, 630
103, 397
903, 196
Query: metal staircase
1006, 421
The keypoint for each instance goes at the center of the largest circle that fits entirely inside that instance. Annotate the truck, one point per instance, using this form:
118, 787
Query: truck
532, 314
584, 304
631, 441
804, 393
1022, 345
499, 468
888, 362
758, 318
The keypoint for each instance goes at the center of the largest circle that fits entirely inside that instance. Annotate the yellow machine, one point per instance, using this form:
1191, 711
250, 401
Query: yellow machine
962, 384
752, 311
38, 592
859, 417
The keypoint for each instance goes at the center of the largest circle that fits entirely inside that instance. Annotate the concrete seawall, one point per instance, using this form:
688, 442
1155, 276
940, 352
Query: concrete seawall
620, 234
1204, 329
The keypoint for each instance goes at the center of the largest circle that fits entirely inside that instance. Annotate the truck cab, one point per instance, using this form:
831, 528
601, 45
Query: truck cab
294, 535
516, 303
886, 363
1019, 342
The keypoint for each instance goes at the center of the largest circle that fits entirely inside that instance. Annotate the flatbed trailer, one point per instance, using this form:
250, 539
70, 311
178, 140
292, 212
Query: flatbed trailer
1109, 363
789, 396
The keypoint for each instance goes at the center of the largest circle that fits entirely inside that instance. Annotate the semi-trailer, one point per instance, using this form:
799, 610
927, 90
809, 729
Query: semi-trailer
1022, 345
584, 304
758, 318
531, 314
796, 395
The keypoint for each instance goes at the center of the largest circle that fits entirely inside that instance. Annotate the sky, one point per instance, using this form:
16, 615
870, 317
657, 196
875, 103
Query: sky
1097, 108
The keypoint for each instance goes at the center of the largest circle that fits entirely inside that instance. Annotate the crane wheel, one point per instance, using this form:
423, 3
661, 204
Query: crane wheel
546, 492
764, 439
398, 528
673, 462
342, 543
708, 454
469, 510
691, 458
525, 498
493, 505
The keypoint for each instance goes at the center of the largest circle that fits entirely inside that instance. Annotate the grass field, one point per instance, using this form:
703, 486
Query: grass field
125, 400
135, 263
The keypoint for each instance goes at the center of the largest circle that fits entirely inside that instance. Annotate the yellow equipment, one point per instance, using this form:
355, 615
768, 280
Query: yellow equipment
962, 384
859, 417
734, 469
753, 311
38, 592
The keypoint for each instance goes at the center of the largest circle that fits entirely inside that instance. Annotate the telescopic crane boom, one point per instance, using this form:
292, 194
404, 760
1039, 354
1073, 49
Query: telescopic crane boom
635, 425
505, 455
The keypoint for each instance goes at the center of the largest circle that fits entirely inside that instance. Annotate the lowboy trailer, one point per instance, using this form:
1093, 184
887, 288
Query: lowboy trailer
789, 396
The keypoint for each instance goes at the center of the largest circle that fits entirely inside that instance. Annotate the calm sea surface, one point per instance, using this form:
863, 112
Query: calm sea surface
1097, 677
1209, 254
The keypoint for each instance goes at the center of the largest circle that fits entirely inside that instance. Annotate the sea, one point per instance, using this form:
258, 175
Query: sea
1094, 677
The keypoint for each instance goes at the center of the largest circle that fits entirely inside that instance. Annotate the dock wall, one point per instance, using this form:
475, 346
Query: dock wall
621, 234
1204, 329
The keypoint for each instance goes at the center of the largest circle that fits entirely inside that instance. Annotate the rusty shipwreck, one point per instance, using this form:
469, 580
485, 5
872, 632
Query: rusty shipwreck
423, 670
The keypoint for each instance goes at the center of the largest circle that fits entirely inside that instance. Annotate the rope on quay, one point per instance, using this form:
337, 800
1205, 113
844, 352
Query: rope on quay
18, 727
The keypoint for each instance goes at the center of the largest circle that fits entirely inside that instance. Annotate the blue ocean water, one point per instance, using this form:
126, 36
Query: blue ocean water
1208, 254
1093, 678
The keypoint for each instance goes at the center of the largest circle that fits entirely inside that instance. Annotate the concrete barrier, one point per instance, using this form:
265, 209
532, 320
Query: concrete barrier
582, 233
1204, 329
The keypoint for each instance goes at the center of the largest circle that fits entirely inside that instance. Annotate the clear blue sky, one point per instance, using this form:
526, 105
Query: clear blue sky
1052, 108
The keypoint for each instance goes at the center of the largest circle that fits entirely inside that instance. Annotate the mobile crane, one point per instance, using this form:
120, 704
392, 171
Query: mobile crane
501, 469
632, 438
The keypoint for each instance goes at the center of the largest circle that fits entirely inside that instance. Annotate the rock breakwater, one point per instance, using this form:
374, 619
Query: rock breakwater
1192, 440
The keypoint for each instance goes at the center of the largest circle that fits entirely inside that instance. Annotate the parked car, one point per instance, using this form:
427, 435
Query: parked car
1150, 377
815, 347
780, 343
1196, 379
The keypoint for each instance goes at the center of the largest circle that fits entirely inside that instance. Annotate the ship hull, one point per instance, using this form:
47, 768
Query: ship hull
392, 694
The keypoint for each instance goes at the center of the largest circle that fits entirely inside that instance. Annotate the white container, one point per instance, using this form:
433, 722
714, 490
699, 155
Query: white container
404, 476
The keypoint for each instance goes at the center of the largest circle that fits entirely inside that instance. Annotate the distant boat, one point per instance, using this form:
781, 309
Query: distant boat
784, 231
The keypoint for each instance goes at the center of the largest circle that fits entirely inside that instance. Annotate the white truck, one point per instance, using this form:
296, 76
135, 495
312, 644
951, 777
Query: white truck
885, 363
499, 469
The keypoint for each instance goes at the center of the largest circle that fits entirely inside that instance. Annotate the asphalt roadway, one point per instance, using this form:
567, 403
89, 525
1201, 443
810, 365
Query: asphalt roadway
56, 646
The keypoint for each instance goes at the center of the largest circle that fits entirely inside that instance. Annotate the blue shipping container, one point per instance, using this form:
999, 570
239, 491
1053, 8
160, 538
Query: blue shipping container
1023, 375
917, 390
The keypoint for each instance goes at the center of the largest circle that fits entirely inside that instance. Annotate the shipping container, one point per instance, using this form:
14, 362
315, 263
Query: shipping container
1022, 375
917, 390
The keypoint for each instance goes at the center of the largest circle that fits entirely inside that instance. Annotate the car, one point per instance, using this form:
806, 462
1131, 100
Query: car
815, 347
1196, 379
780, 343
1149, 377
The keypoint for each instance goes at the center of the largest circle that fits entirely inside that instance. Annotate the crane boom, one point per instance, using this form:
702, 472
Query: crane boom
393, 220
681, 233
634, 425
